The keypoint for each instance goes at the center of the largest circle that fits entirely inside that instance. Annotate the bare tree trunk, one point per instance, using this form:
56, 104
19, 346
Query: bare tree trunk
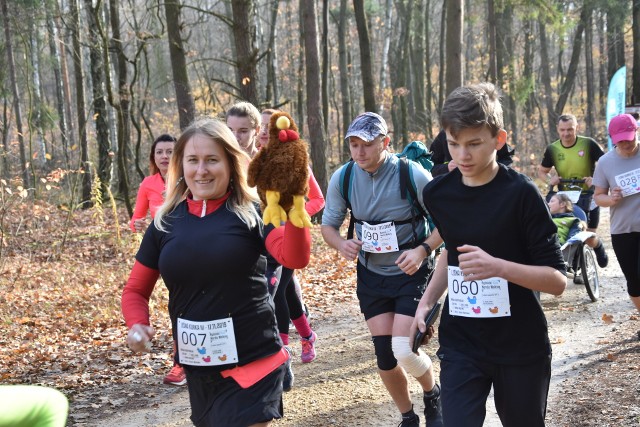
36, 107
545, 66
366, 65
616, 15
590, 76
635, 89
427, 62
325, 63
314, 113
94, 26
455, 21
443, 65
469, 43
184, 96
273, 94
301, 69
417, 58
26, 178
244, 35
492, 73
527, 73
6, 128
399, 65
57, 73
567, 85
344, 79
80, 104
504, 62
602, 63
66, 87
122, 105
384, 62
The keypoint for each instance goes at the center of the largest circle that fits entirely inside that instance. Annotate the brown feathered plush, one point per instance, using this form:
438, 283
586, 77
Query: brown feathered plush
280, 171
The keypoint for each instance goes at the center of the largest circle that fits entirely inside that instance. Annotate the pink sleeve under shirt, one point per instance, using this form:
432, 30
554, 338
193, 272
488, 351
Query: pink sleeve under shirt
316, 199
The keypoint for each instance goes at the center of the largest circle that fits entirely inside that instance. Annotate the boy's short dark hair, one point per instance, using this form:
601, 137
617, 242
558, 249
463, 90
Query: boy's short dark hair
472, 106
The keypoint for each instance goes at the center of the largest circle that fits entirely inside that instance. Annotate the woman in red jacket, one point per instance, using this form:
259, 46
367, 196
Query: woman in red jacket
151, 191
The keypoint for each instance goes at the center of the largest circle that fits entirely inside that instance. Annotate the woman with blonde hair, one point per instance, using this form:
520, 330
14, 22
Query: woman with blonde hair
209, 245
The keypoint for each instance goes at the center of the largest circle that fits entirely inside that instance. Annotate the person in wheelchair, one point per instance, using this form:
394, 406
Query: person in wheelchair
570, 220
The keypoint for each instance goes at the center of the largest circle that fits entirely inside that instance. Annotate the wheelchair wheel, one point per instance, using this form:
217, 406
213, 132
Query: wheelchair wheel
590, 272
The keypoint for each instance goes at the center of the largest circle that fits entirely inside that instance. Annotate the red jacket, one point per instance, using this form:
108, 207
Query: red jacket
150, 198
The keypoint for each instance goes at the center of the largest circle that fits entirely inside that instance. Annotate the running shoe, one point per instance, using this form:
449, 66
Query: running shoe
308, 348
287, 382
412, 421
176, 376
577, 279
433, 407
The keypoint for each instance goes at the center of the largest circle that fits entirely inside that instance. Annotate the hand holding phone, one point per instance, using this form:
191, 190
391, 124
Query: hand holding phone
432, 315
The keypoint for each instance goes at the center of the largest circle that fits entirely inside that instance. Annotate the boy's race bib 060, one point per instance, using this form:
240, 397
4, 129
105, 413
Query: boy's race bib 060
477, 298
380, 238
629, 182
207, 343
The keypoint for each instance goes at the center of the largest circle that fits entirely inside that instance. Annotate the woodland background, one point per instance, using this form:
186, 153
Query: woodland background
85, 86
88, 84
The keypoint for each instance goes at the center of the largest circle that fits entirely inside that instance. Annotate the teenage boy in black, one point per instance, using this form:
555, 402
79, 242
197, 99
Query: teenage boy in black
501, 247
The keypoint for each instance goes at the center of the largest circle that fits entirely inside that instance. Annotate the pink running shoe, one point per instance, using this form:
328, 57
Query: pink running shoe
308, 348
176, 376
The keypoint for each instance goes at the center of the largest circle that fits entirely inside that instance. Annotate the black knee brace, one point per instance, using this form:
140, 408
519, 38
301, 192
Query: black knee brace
384, 352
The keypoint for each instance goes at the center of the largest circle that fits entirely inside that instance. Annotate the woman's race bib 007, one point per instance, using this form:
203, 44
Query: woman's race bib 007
629, 182
379, 238
207, 343
477, 298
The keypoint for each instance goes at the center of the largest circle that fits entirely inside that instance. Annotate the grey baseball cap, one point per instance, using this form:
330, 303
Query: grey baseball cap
367, 126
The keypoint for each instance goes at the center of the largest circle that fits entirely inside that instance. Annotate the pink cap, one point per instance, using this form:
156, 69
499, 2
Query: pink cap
623, 128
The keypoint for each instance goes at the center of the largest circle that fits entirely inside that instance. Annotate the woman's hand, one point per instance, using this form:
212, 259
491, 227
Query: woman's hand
140, 225
139, 338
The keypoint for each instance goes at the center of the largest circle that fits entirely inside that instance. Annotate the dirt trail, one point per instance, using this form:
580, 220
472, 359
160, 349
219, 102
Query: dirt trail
341, 388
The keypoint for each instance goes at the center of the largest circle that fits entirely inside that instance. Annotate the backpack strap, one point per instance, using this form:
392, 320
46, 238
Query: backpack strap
345, 186
407, 187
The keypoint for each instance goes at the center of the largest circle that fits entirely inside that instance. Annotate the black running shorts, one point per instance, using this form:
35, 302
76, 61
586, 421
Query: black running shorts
399, 294
221, 402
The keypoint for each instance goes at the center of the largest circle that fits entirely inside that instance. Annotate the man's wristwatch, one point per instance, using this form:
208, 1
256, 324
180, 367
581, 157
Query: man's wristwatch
427, 248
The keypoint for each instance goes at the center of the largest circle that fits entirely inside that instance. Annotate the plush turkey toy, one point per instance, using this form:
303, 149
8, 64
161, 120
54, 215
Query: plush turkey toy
280, 171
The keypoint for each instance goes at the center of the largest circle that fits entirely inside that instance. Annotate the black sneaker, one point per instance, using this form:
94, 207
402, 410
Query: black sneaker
433, 408
412, 421
287, 382
577, 279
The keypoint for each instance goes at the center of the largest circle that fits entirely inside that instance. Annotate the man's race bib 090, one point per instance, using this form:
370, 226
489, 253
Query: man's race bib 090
629, 182
380, 238
207, 343
477, 298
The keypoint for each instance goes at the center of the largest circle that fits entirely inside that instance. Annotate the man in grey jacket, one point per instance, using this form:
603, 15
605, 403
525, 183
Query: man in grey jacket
391, 267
